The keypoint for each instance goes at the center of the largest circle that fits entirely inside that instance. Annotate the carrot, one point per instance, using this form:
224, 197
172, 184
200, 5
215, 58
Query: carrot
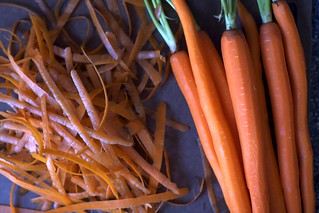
218, 73
276, 200
282, 107
232, 173
244, 94
273, 57
237, 195
252, 36
298, 78
182, 70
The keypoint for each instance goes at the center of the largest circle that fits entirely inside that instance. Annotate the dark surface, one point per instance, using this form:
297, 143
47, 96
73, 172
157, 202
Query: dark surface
182, 147
314, 96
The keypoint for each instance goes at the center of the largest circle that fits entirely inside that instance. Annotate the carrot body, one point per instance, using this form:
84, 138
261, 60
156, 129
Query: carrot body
276, 200
252, 36
219, 76
244, 94
282, 107
182, 70
297, 73
217, 123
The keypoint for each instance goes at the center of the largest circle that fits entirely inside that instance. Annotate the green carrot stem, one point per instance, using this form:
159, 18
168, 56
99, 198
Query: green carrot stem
161, 24
265, 11
170, 3
229, 9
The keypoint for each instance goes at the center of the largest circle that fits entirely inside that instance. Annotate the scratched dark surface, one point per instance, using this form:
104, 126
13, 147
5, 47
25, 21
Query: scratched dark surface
314, 97
182, 147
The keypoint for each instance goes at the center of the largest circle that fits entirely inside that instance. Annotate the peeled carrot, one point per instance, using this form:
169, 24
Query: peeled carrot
282, 107
182, 70
276, 200
217, 123
244, 94
231, 167
273, 57
243, 89
298, 76
219, 76
252, 36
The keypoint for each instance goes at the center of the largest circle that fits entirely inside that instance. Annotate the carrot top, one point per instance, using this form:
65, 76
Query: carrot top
265, 11
229, 10
161, 23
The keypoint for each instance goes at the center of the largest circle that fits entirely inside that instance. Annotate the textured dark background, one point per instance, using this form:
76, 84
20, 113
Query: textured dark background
182, 148
314, 96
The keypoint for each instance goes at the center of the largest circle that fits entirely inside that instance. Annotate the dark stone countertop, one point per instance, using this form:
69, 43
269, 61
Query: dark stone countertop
314, 96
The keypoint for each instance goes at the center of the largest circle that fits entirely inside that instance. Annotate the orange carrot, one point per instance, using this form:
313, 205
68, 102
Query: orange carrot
282, 107
244, 94
274, 56
217, 129
243, 90
182, 70
252, 36
276, 200
297, 73
222, 137
218, 73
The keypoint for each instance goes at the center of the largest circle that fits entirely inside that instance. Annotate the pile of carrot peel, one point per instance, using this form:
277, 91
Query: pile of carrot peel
76, 132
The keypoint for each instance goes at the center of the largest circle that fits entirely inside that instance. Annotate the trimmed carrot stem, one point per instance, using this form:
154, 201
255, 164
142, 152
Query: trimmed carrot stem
298, 76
